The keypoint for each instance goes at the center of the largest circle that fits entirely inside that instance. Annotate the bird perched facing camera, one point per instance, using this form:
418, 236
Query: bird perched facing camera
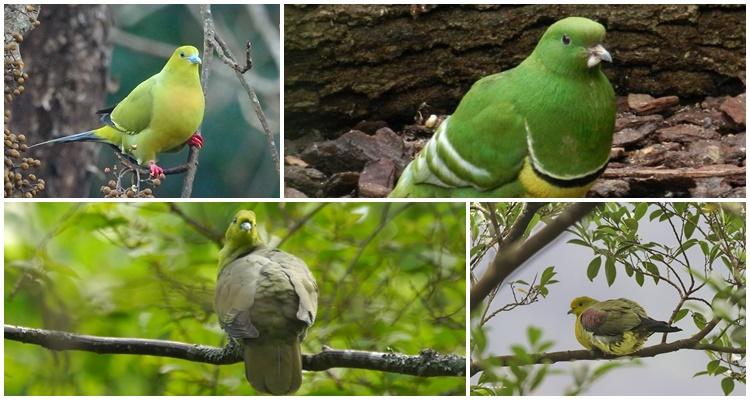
266, 299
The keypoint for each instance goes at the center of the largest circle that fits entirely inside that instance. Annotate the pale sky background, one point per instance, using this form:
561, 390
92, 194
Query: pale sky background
665, 374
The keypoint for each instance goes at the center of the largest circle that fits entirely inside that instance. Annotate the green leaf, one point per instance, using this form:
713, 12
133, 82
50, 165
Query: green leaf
593, 270
639, 277
711, 366
680, 314
727, 385
548, 273
654, 215
699, 320
539, 377
534, 334
610, 271
651, 268
640, 210
578, 242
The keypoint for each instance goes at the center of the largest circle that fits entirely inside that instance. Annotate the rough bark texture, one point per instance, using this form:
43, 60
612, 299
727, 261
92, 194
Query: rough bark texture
66, 58
345, 63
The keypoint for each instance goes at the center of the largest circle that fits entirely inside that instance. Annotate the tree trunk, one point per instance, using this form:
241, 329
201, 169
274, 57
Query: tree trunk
345, 63
67, 59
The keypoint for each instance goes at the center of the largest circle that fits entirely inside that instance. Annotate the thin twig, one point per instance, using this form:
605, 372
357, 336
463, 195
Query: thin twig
225, 55
192, 162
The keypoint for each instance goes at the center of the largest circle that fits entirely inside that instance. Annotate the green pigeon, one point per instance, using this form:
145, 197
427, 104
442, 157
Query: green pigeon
541, 129
265, 299
617, 326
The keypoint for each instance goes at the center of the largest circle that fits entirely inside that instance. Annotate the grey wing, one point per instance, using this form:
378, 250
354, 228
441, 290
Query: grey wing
303, 282
235, 295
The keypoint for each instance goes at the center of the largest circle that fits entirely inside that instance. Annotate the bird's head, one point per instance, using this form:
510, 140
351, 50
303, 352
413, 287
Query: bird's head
184, 58
243, 231
573, 45
580, 304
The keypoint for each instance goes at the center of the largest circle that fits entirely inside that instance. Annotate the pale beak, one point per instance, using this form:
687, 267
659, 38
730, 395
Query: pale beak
194, 59
246, 226
570, 312
597, 54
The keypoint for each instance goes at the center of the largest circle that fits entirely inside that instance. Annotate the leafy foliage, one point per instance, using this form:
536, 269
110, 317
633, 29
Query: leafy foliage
391, 278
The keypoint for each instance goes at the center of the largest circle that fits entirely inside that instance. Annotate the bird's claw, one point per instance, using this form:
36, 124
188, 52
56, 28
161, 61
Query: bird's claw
196, 140
156, 171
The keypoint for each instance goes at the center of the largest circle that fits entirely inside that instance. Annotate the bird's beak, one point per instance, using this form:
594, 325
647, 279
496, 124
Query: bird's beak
194, 59
597, 54
246, 226
570, 312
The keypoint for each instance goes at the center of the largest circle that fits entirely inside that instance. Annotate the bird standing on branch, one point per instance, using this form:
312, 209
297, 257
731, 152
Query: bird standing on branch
618, 326
161, 114
265, 299
541, 129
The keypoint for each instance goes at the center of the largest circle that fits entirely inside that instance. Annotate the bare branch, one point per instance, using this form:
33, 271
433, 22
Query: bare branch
427, 364
508, 261
216, 237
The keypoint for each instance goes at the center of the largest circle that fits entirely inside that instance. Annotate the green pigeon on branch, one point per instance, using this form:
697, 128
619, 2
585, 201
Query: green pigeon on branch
265, 299
618, 326
541, 129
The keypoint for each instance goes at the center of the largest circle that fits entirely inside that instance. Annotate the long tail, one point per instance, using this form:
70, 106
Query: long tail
653, 325
274, 368
89, 136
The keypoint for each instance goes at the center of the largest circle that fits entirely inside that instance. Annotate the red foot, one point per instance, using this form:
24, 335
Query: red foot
196, 140
156, 171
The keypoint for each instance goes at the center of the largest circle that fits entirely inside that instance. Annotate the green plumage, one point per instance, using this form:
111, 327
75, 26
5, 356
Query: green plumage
542, 129
265, 299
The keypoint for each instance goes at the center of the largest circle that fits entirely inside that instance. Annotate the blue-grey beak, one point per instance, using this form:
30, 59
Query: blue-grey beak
596, 55
245, 226
194, 59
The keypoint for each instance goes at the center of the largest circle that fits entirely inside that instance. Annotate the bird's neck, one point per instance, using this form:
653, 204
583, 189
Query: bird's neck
232, 251
187, 77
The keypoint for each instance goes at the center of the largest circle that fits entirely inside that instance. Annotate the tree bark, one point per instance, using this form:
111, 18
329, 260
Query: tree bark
345, 63
67, 59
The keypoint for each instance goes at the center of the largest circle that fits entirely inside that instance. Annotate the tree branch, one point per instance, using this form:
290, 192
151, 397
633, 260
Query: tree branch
427, 364
216, 237
508, 261
192, 161
691, 343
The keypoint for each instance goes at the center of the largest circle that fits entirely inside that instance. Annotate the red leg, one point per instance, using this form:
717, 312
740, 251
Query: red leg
156, 171
196, 140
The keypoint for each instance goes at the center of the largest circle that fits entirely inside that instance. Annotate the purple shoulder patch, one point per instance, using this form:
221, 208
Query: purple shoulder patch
591, 319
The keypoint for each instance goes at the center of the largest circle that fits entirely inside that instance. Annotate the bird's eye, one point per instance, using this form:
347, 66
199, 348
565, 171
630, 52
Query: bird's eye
234, 221
182, 54
566, 39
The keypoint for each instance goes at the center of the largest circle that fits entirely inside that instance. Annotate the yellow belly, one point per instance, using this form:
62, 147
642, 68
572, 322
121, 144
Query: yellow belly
538, 187
629, 343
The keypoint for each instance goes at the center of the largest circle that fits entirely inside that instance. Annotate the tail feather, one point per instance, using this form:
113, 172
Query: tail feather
89, 136
653, 325
274, 368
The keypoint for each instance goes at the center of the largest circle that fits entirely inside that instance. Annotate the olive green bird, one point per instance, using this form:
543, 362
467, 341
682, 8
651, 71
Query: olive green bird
161, 114
617, 326
265, 299
541, 129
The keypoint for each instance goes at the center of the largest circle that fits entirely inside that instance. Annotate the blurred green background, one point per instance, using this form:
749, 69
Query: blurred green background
235, 161
391, 278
